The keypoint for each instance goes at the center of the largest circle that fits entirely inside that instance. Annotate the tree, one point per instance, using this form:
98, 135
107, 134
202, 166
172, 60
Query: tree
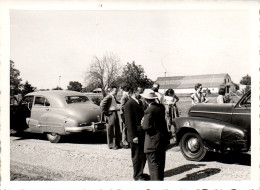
57, 88
15, 80
90, 87
246, 80
133, 76
27, 88
75, 86
103, 71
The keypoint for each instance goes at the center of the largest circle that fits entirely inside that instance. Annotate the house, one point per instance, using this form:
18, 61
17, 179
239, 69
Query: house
185, 84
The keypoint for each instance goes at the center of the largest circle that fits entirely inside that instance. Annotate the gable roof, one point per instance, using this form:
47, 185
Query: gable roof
185, 82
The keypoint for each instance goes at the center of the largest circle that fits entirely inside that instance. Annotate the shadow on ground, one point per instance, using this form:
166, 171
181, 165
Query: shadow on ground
201, 174
82, 138
239, 158
182, 169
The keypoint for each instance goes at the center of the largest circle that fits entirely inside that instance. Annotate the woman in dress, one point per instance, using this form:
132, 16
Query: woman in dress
198, 96
171, 109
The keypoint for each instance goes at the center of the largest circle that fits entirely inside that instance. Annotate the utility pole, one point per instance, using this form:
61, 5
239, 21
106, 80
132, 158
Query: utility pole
59, 81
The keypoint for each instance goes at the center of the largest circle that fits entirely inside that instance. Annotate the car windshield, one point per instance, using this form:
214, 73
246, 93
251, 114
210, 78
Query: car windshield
76, 99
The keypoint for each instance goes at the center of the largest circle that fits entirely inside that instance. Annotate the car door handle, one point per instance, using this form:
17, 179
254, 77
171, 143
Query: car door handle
47, 109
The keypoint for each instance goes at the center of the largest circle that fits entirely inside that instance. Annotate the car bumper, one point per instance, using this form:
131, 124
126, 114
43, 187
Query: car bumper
235, 145
95, 127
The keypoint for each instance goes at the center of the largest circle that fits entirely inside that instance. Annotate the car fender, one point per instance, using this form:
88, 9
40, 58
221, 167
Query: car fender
55, 122
210, 130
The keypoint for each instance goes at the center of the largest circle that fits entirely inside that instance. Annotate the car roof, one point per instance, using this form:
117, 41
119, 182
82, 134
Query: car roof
56, 97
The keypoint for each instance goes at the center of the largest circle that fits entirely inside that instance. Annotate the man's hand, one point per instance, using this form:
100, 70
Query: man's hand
135, 140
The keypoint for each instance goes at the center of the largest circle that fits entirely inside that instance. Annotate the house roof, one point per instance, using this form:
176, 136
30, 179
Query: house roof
184, 82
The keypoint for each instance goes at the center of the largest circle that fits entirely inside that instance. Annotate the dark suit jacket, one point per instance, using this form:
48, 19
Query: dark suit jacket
106, 104
156, 135
133, 113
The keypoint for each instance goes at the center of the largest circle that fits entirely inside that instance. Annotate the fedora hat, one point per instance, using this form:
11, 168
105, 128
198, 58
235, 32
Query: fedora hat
149, 94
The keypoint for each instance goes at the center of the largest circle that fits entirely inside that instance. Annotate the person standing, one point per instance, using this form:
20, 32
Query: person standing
198, 96
160, 96
133, 112
110, 109
156, 136
221, 96
171, 110
124, 99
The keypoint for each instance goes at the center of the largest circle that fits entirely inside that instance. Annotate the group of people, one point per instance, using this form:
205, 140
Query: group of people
142, 121
144, 129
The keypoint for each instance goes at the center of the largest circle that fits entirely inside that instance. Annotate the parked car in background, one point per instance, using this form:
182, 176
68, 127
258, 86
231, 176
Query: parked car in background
56, 113
215, 127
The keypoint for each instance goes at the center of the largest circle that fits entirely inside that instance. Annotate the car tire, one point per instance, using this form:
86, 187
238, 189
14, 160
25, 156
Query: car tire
192, 147
53, 137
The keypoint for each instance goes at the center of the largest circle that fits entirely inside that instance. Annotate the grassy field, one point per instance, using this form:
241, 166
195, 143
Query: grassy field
184, 104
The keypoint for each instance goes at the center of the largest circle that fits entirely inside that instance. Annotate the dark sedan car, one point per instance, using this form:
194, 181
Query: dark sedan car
215, 127
56, 113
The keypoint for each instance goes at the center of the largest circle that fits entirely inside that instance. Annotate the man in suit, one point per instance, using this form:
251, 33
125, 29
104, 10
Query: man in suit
156, 135
133, 112
124, 99
110, 109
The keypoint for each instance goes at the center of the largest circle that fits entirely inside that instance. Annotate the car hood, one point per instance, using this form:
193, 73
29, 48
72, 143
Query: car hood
84, 112
215, 111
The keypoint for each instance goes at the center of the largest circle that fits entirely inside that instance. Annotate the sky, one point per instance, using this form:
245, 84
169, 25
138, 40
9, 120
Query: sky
52, 48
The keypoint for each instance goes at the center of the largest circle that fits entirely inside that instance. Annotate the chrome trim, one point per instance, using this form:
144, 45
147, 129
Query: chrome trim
220, 113
211, 112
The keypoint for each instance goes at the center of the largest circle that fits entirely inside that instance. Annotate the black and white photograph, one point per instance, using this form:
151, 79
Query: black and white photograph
127, 95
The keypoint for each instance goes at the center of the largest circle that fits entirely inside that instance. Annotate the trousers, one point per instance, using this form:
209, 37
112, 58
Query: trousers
156, 164
113, 130
138, 159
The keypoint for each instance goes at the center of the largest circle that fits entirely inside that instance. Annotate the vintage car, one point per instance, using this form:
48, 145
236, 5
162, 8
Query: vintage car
56, 113
215, 127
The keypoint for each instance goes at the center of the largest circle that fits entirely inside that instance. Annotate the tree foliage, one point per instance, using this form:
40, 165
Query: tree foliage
90, 87
15, 80
246, 80
57, 88
75, 86
27, 88
133, 76
103, 71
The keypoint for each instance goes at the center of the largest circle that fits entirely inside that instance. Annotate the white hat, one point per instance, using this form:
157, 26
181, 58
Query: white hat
149, 94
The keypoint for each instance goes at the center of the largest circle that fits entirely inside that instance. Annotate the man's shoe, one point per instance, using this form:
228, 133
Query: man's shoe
115, 148
146, 177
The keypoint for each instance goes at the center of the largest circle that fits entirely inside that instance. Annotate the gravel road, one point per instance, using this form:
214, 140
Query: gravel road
86, 157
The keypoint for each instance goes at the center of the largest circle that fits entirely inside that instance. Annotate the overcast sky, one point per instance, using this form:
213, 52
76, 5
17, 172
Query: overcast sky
49, 44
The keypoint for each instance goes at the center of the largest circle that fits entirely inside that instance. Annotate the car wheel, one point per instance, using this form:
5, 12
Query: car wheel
53, 137
192, 147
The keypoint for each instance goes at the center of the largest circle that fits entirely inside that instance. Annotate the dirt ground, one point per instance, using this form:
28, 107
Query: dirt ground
86, 157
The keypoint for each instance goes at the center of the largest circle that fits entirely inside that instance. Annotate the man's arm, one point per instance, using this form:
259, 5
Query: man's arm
103, 104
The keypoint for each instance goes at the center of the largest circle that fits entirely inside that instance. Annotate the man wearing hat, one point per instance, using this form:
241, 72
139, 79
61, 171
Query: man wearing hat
156, 135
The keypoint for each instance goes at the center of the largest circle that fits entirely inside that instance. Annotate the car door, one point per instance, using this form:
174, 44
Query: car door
40, 108
23, 113
242, 113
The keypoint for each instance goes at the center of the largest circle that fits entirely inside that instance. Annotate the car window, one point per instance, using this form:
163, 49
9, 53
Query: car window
76, 99
27, 99
41, 101
246, 102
